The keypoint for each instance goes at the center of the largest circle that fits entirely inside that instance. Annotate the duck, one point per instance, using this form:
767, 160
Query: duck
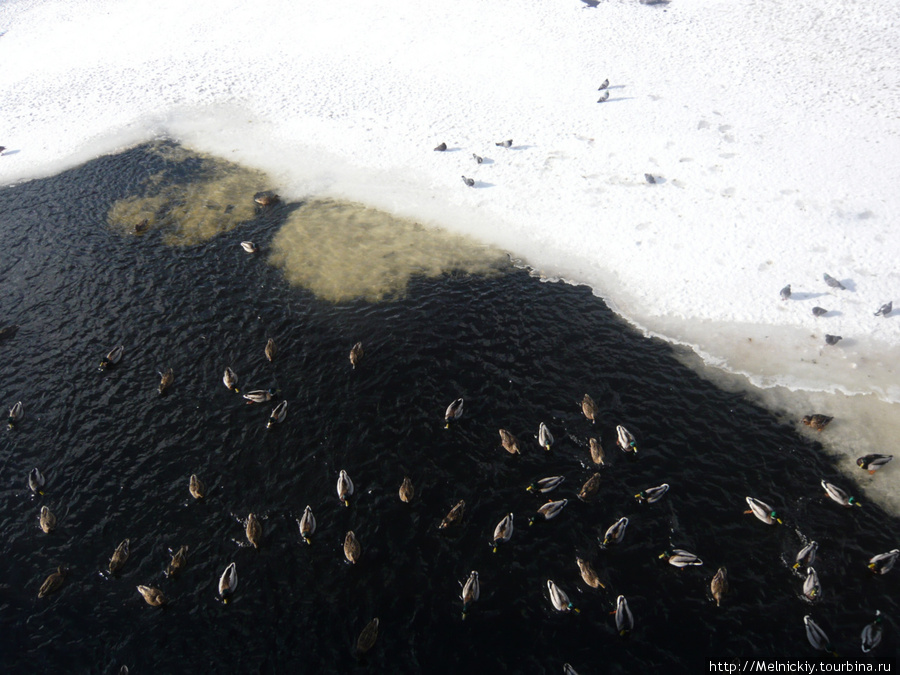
625, 439
559, 599
260, 395
454, 515
271, 350
47, 520
53, 582
590, 409
652, 495
624, 617
509, 442
816, 636
356, 354
545, 438
678, 557
719, 585
569, 670
812, 589
279, 412
588, 573
454, 412
228, 582
616, 532
504, 531
16, 415
196, 487
762, 511
871, 634
119, 556
547, 484
165, 381
36, 481
872, 463
153, 596
112, 358
471, 591
838, 495
249, 247
178, 561
230, 379
307, 524
344, 487
807, 555
407, 491
266, 198
141, 227
884, 562
597, 454
817, 422
352, 547
367, 637
590, 488
254, 531
550, 510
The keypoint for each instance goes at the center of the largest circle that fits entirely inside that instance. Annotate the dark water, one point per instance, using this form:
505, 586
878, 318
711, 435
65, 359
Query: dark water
117, 460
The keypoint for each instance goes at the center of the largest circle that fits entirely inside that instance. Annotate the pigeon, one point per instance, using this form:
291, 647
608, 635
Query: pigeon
504, 144
2, 148
884, 310
834, 283
604, 85
832, 339
786, 292
650, 179
441, 147
469, 181
477, 158
603, 96
819, 311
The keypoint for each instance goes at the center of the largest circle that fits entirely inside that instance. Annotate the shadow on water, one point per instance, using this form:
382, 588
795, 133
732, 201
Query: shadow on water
117, 458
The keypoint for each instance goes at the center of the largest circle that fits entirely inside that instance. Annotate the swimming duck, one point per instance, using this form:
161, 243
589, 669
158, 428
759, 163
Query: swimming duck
625, 439
590, 409
16, 414
816, 636
590, 488
197, 488
253, 530
279, 412
153, 596
471, 591
119, 556
367, 638
141, 227
807, 555
884, 562
36, 481
838, 495
407, 491
266, 198
249, 247
652, 495
307, 524
817, 422
344, 487
871, 634
112, 358
260, 395
549, 510
228, 582
678, 557
454, 412
812, 589
165, 381
545, 438
271, 350
588, 574
547, 484
616, 532
53, 582
356, 354
230, 379
178, 561
762, 511
48, 520
624, 618
509, 442
872, 463
352, 547
597, 454
504, 531
454, 516
559, 599
719, 586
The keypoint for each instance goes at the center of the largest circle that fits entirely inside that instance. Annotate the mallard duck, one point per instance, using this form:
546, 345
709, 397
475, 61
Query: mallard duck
53, 582
271, 350
504, 531
197, 488
279, 412
678, 557
407, 491
652, 495
625, 440
178, 561
454, 516
119, 556
356, 354
454, 412
597, 454
588, 574
762, 511
228, 582
812, 589
872, 463
559, 599
307, 524
624, 618
260, 395
871, 634
817, 422
719, 585
884, 562
471, 591
112, 358
545, 438
590, 488
547, 484
16, 414
249, 247
616, 532
254, 530
367, 638
153, 596
838, 495
266, 198
807, 555
509, 442
590, 409
165, 381
816, 636
344, 487
352, 548
47, 520
230, 379
36, 481
549, 510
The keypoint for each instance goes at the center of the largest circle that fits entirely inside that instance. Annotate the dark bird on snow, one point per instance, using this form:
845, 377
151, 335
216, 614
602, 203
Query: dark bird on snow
604, 85
504, 144
786, 292
603, 96
2, 148
832, 339
884, 310
834, 283
469, 181
441, 147
650, 178
819, 311
477, 158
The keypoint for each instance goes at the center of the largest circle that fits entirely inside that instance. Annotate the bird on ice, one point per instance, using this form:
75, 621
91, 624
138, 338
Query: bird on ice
884, 310
832, 339
786, 292
834, 283
469, 181
604, 85
604, 96
504, 144
441, 147
477, 158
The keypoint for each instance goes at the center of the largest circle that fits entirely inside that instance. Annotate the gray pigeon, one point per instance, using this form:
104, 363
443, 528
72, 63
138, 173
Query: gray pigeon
604, 96
477, 158
650, 179
604, 85
834, 283
786, 292
884, 310
2, 148
819, 311
832, 339
504, 144
441, 147
469, 181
